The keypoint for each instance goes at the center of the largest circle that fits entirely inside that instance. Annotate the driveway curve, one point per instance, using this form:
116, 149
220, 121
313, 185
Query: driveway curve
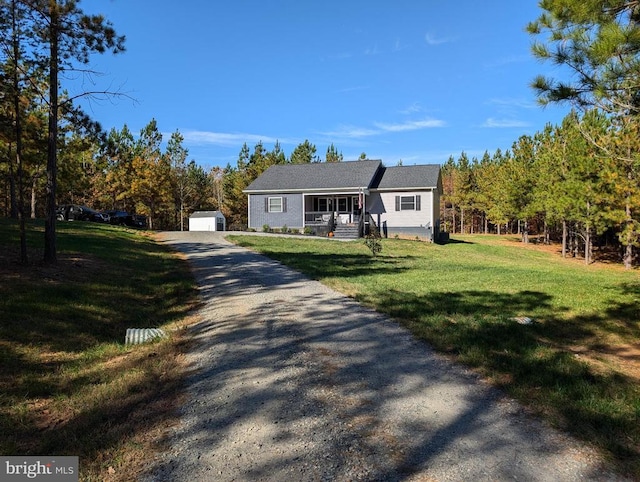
292, 381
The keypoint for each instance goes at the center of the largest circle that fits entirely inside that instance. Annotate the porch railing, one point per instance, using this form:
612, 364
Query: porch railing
322, 218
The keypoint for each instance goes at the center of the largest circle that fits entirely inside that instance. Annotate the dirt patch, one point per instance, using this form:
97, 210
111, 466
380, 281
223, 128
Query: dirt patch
623, 358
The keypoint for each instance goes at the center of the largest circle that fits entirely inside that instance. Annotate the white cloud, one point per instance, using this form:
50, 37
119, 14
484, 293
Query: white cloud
372, 51
351, 132
356, 132
229, 139
410, 125
399, 46
511, 102
433, 40
412, 109
504, 123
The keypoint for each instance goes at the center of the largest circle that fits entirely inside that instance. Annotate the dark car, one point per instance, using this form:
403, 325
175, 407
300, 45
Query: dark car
121, 218
139, 221
73, 212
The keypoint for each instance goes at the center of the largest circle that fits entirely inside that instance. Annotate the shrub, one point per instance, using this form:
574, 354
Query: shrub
373, 242
266, 228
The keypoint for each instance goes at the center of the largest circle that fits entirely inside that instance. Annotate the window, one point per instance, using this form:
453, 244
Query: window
407, 203
275, 205
323, 204
342, 205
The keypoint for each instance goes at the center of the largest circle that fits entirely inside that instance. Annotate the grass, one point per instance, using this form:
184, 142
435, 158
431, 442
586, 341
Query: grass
68, 384
578, 364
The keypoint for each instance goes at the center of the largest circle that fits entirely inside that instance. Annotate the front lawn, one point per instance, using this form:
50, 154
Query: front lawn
577, 363
68, 383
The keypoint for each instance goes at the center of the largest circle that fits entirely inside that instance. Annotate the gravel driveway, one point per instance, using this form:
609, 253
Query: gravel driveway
293, 381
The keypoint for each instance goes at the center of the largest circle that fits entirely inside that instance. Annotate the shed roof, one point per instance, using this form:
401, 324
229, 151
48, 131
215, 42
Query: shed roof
206, 214
316, 176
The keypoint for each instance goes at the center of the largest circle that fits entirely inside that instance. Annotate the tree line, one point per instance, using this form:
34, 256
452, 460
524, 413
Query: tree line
120, 170
559, 184
580, 177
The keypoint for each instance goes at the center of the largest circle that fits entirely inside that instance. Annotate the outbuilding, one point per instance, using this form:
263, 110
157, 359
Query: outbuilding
207, 221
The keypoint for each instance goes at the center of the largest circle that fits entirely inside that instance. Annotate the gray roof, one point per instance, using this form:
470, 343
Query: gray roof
316, 176
408, 177
206, 214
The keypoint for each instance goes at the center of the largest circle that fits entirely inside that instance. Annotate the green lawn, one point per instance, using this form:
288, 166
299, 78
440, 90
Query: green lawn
578, 364
68, 384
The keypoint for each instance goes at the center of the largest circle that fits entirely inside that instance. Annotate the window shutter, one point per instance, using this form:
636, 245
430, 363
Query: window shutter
418, 203
284, 204
266, 205
397, 203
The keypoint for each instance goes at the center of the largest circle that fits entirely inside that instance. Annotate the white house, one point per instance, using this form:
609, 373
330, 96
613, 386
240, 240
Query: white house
207, 221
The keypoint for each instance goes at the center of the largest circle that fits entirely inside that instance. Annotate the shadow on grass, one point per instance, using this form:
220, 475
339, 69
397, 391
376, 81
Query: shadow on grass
59, 330
534, 362
106, 280
457, 241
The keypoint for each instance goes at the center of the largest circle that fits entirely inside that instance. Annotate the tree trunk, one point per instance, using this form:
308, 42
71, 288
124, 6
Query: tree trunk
628, 249
547, 236
50, 255
587, 246
181, 216
453, 218
34, 196
13, 198
564, 238
461, 221
525, 232
18, 133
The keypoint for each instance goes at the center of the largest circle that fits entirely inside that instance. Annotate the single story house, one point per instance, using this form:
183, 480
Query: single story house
207, 221
356, 195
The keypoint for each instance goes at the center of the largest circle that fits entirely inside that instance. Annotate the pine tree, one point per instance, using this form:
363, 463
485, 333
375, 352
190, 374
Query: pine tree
304, 153
333, 155
64, 37
151, 180
599, 42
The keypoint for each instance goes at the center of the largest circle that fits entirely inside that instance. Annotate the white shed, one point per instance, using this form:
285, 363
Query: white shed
207, 221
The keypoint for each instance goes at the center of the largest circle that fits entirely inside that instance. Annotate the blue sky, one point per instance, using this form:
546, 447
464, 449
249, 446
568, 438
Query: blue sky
410, 80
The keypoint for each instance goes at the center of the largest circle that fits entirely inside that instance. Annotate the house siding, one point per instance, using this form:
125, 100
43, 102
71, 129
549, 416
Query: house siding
422, 223
293, 216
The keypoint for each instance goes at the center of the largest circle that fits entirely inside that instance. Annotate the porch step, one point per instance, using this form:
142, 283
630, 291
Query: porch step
346, 231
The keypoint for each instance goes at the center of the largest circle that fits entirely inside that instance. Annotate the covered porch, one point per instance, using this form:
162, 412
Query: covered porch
320, 209
341, 213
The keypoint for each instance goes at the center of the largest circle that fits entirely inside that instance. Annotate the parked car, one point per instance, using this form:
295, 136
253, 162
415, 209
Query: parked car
121, 218
139, 221
74, 212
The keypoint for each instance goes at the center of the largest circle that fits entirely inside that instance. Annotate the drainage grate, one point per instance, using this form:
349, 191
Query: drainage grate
135, 336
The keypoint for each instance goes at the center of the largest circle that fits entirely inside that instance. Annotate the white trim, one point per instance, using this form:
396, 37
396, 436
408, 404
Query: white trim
270, 208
